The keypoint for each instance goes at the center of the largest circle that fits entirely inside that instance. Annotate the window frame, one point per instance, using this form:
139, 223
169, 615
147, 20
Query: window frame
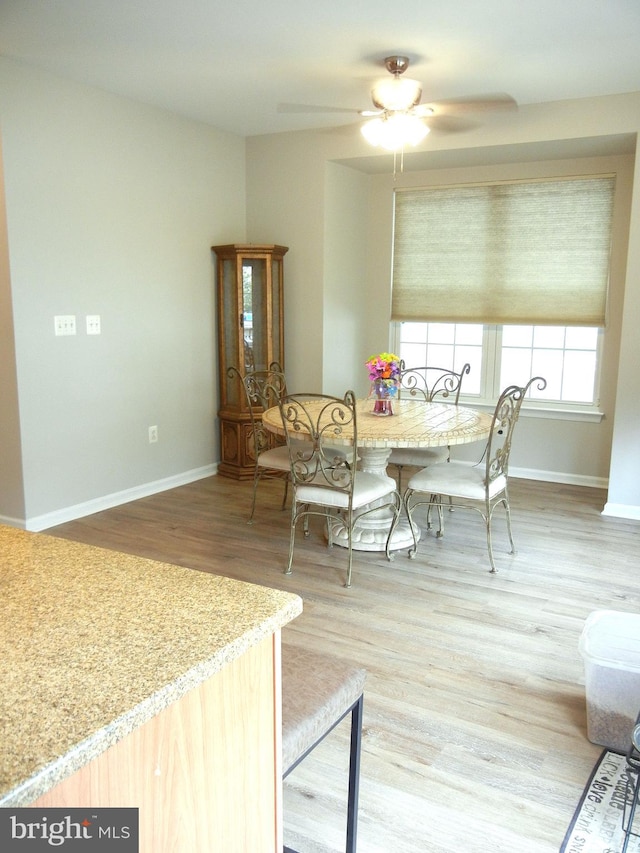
490, 384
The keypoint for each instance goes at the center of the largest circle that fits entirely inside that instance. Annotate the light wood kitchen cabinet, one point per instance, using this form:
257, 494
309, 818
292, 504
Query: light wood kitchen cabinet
203, 772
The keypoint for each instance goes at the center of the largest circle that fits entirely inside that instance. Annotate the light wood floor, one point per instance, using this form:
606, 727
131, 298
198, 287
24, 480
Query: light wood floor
474, 721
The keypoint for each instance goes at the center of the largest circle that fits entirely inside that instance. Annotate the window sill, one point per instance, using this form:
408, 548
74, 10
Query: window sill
549, 412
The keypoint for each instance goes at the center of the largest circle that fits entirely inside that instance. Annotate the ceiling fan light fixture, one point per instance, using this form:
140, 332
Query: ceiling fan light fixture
396, 93
394, 131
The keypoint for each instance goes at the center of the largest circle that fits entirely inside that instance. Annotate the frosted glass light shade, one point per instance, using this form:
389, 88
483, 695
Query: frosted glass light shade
396, 93
395, 131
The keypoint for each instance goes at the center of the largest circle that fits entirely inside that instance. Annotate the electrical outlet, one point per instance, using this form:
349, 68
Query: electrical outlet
93, 324
64, 324
153, 434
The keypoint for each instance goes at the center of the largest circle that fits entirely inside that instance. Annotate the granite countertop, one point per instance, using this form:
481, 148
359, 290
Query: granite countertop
93, 643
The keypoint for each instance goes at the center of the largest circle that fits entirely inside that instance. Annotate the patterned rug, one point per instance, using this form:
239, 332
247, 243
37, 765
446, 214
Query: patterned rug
597, 825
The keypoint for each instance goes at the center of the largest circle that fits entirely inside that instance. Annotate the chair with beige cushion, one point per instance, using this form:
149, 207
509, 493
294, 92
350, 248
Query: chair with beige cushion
325, 482
482, 487
428, 384
262, 389
318, 692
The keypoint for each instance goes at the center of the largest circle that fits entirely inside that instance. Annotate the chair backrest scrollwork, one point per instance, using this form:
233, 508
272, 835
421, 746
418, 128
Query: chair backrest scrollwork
262, 390
431, 383
314, 424
505, 417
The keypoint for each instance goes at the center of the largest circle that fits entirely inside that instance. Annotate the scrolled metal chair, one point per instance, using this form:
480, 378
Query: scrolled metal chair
482, 487
428, 384
262, 389
326, 482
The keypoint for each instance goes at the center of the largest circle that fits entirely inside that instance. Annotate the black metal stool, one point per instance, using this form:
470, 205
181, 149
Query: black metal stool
318, 691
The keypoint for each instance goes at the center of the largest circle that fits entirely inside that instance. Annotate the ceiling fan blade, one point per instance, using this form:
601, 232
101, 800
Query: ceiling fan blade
451, 124
313, 108
422, 110
340, 130
475, 103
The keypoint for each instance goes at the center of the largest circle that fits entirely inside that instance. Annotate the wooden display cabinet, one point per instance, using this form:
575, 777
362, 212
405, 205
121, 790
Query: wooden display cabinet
250, 337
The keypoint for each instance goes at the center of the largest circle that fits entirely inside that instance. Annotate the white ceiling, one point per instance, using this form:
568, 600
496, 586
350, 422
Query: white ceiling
230, 64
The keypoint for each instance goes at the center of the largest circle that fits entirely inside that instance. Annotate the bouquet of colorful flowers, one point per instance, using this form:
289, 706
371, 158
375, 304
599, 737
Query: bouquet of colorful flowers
384, 373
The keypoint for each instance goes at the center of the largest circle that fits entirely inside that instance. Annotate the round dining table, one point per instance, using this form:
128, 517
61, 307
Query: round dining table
414, 423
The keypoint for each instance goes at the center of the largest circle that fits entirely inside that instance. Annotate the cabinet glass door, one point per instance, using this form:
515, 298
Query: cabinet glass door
255, 306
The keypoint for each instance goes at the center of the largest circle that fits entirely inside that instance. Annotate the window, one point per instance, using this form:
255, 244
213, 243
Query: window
447, 345
566, 356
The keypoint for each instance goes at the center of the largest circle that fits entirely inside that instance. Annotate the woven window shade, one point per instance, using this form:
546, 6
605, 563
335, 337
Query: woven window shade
524, 253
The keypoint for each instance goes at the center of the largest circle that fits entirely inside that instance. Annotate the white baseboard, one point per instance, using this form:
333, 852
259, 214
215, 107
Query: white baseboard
43, 522
559, 477
614, 510
622, 511
51, 519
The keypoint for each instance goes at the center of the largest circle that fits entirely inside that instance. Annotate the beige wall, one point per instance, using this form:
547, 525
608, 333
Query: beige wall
624, 484
347, 302
10, 449
111, 207
287, 206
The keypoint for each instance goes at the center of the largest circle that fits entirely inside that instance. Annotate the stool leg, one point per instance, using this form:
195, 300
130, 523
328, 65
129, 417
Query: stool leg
354, 775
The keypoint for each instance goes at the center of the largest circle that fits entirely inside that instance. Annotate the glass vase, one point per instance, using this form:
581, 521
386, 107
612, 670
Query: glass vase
382, 395
383, 407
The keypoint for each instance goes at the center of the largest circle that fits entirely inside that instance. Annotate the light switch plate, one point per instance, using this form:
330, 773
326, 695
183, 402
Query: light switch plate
93, 324
65, 324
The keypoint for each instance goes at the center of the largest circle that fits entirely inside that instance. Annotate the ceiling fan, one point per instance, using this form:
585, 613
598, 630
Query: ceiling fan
398, 117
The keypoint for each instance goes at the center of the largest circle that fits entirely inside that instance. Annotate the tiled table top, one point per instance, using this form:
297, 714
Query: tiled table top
413, 424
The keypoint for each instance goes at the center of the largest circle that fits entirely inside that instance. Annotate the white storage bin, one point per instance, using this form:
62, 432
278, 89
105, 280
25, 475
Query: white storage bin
610, 646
